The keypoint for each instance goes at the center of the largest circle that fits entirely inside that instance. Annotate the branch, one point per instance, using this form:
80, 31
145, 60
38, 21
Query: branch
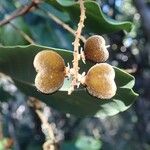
48, 131
76, 45
19, 12
61, 23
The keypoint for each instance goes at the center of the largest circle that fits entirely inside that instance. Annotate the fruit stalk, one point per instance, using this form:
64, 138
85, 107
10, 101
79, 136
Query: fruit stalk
76, 45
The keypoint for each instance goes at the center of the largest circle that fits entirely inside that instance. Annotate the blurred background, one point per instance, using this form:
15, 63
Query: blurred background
129, 130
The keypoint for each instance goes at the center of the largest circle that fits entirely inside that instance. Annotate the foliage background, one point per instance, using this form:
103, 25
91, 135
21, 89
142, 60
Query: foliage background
126, 131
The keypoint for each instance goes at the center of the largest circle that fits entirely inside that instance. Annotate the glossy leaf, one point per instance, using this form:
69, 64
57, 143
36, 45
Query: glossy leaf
66, 2
10, 36
17, 62
96, 21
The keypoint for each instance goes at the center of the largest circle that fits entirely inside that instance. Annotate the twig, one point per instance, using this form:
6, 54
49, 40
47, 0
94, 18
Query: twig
50, 143
61, 23
24, 35
46, 125
19, 12
47, 129
76, 44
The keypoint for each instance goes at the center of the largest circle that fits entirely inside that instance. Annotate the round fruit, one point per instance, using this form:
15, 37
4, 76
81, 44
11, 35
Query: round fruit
95, 49
100, 81
51, 71
102, 69
102, 87
48, 60
49, 82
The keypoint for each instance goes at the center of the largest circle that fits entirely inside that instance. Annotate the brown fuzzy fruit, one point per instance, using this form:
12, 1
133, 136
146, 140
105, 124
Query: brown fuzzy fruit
48, 60
95, 49
51, 71
103, 69
100, 81
49, 82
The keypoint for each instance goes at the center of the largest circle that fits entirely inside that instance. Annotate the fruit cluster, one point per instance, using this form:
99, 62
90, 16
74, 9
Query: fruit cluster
99, 80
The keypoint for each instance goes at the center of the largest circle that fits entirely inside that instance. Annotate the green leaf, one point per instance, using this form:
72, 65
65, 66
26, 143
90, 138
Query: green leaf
66, 2
10, 36
17, 62
82, 143
96, 21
